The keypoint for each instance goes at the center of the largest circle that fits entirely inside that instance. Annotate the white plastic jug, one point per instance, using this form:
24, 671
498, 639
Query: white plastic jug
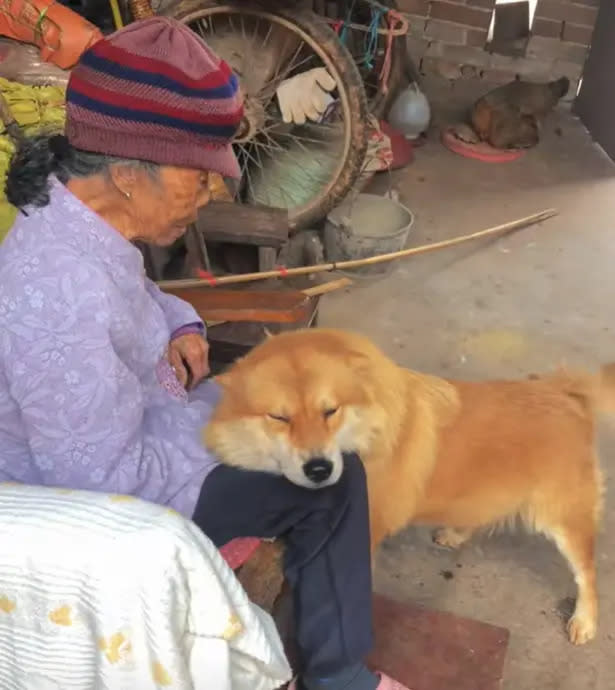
410, 113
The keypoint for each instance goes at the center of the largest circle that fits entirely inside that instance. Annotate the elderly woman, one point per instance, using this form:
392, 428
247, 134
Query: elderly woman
94, 358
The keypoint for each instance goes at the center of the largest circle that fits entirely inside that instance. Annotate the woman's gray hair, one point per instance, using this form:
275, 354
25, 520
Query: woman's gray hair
39, 157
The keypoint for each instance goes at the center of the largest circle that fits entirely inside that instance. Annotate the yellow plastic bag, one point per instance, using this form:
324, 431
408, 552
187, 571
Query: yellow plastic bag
35, 108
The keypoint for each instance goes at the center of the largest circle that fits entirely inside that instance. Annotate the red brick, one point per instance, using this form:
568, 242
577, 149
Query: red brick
469, 71
526, 68
577, 34
417, 47
443, 68
416, 26
462, 55
476, 37
460, 14
485, 4
547, 27
567, 12
418, 7
540, 48
446, 32
497, 76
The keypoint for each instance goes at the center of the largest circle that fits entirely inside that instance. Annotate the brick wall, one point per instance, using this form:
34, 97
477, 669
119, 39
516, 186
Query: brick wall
448, 37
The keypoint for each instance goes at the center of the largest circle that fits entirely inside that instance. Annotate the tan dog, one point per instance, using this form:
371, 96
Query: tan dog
459, 455
510, 116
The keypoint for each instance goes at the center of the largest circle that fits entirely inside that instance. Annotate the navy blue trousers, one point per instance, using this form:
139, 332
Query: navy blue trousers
326, 555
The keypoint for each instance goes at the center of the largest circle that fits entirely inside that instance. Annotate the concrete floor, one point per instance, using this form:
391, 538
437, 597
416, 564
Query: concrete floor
505, 308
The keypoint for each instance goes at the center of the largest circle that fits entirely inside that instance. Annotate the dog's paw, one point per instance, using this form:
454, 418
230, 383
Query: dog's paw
581, 629
449, 538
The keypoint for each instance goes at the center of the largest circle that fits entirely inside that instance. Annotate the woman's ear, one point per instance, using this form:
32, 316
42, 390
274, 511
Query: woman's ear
124, 178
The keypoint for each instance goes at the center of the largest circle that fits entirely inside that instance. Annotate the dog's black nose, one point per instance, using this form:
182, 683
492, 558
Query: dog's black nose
318, 470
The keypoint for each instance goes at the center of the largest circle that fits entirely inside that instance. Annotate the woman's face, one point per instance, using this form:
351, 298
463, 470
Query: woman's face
162, 206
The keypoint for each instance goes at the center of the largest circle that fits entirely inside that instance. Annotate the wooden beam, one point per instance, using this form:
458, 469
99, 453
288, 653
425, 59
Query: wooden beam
220, 221
271, 306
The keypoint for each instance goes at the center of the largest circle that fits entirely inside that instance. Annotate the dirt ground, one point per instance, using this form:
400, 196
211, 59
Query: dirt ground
505, 308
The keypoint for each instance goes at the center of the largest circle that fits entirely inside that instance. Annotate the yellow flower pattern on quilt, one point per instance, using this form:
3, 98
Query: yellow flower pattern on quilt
233, 628
61, 616
116, 648
7, 605
128, 629
160, 674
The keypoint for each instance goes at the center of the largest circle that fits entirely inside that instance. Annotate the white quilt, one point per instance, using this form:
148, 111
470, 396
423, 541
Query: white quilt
101, 592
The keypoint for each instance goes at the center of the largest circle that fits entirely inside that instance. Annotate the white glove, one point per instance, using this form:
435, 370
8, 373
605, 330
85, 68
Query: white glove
305, 96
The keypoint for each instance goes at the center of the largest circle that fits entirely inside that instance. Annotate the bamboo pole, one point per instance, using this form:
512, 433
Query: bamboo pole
358, 263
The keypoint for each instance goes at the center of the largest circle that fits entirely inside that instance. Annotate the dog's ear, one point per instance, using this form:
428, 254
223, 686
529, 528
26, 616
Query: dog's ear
224, 380
358, 361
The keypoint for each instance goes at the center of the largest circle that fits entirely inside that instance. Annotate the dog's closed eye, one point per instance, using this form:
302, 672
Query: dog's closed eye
279, 418
329, 412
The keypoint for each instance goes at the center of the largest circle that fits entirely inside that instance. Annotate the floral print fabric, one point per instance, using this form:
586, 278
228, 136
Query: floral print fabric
87, 398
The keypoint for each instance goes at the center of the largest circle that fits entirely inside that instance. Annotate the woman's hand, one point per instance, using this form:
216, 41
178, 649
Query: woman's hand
189, 357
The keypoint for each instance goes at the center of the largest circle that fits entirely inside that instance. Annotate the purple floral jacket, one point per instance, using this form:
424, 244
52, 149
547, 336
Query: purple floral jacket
87, 398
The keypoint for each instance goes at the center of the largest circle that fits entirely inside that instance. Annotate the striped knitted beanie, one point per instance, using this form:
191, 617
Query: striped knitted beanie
154, 91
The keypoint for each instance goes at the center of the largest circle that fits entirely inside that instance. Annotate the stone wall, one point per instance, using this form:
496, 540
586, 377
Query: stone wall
449, 38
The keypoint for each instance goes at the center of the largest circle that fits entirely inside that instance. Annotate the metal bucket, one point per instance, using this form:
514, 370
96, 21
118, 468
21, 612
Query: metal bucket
364, 226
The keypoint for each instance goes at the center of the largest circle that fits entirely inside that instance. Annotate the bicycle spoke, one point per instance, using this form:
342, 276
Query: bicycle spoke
273, 144
202, 28
268, 91
267, 35
314, 128
294, 137
273, 151
255, 32
244, 57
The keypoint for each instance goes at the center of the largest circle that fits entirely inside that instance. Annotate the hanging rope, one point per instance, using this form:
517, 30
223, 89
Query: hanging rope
371, 39
393, 18
341, 26
396, 25
346, 24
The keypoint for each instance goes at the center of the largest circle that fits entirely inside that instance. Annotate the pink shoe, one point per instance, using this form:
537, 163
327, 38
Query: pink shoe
385, 683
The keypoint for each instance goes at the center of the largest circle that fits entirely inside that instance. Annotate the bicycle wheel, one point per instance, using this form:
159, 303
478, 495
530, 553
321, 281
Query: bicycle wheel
306, 168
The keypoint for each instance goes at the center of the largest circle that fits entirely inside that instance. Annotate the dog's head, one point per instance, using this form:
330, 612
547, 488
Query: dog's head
296, 403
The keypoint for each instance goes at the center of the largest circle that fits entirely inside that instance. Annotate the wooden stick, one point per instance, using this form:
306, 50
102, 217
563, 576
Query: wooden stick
324, 288
357, 263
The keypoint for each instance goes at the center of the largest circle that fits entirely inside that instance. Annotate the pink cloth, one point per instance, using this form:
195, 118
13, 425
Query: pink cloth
386, 683
239, 551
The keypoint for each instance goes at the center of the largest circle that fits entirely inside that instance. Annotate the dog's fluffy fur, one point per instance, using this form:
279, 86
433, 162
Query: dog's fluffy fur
455, 454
